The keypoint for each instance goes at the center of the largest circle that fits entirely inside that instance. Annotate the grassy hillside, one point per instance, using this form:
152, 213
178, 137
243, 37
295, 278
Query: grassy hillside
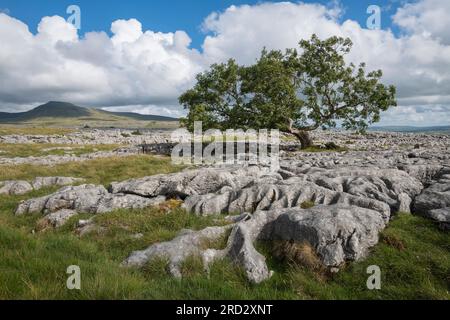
67, 115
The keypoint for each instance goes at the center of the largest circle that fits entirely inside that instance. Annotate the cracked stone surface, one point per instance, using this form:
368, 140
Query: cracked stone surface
15, 187
59, 218
85, 199
186, 244
22, 187
434, 201
338, 233
191, 182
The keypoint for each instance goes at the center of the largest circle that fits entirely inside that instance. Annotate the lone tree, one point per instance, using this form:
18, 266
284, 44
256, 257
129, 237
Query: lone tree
295, 92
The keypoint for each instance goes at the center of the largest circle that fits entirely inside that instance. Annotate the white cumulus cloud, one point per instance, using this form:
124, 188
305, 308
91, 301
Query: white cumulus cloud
144, 70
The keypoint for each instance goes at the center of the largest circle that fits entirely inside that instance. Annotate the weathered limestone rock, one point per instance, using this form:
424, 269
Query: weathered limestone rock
15, 187
434, 201
338, 233
425, 172
442, 216
390, 186
192, 182
269, 196
58, 218
113, 202
84, 199
186, 244
23, 187
41, 182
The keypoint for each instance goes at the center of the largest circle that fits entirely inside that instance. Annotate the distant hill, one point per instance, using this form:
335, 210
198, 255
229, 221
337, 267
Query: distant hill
439, 129
64, 113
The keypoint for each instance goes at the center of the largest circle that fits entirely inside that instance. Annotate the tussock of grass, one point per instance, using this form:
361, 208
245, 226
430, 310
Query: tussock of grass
307, 204
301, 254
393, 241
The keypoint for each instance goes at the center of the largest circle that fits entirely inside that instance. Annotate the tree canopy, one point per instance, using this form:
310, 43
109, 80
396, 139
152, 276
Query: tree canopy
295, 91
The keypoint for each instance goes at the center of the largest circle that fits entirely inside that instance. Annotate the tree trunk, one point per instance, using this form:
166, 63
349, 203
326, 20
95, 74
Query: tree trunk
302, 135
304, 138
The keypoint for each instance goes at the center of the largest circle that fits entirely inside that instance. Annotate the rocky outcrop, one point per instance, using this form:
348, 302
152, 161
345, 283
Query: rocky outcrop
42, 182
23, 187
338, 233
434, 202
57, 219
384, 190
193, 182
288, 193
187, 243
15, 187
84, 199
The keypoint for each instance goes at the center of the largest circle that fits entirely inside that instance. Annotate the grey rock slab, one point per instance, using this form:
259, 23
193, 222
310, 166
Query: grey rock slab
442, 216
434, 202
188, 243
183, 184
59, 218
85, 199
292, 192
338, 233
15, 187
41, 182
436, 196
113, 202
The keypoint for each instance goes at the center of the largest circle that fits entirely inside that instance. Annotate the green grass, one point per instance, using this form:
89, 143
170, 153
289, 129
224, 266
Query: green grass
98, 171
32, 130
413, 254
39, 150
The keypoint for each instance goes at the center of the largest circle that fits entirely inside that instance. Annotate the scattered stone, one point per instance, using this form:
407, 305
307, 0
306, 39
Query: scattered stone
57, 219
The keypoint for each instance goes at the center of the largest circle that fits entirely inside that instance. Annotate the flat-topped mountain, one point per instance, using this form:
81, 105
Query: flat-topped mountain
64, 113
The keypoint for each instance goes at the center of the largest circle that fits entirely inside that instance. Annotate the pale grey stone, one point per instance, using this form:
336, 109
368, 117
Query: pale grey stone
59, 218
188, 243
15, 187
41, 182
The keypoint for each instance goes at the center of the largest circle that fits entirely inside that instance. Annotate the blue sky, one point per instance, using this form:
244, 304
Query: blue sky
140, 55
165, 15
